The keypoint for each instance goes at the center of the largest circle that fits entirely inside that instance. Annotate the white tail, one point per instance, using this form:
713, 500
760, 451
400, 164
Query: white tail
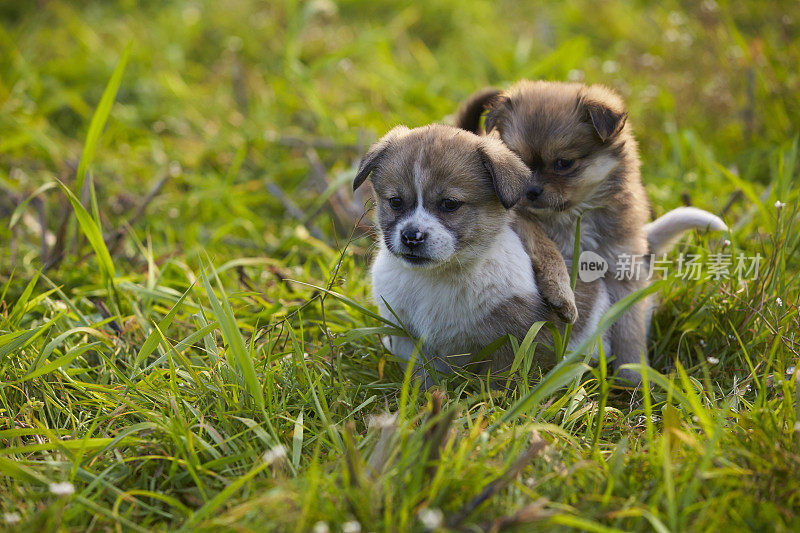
665, 230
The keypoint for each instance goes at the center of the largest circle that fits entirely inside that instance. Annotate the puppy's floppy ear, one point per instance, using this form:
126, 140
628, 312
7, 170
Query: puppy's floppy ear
605, 110
374, 154
607, 122
509, 174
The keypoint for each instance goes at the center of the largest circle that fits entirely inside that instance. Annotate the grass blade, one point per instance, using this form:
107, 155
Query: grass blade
230, 331
93, 234
100, 117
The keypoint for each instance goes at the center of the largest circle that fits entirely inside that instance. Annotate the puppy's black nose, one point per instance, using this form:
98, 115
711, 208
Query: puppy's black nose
534, 192
412, 238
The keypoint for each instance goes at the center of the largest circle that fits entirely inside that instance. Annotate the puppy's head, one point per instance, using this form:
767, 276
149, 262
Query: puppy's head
442, 194
571, 136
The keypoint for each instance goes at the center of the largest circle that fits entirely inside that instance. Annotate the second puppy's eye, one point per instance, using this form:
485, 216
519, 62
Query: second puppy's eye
450, 205
395, 202
563, 164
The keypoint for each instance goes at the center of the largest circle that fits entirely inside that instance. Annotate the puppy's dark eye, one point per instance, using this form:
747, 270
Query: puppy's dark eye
395, 202
450, 205
563, 164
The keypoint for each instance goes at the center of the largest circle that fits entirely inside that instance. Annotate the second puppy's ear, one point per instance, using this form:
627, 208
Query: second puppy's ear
605, 110
509, 174
607, 122
374, 154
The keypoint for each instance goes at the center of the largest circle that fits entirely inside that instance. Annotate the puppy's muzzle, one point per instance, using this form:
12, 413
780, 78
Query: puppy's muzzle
412, 237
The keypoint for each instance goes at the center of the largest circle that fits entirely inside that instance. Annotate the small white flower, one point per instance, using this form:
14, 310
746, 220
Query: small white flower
779, 302
709, 6
676, 18
382, 420
321, 527
575, 75
431, 518
351, 527
610, 66
649, 60
174, 169
275, 453
790, 370
712, 360
672, 35
65, 488
779, 204
11, 518
702, 343
735, 52
726, 243
649, 92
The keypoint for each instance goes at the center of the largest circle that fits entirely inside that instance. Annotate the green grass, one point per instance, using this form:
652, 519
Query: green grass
172, 339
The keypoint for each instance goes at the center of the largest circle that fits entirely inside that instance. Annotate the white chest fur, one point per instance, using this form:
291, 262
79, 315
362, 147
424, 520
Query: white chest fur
447, 306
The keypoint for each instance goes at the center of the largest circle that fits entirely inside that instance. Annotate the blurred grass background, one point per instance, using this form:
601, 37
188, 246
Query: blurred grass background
214, 90
232, 142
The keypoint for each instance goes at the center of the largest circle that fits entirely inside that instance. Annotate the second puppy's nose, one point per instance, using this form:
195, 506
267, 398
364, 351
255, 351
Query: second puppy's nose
534, 192
412, 237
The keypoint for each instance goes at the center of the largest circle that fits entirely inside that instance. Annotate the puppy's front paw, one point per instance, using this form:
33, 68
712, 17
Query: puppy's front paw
559, 296
565, 309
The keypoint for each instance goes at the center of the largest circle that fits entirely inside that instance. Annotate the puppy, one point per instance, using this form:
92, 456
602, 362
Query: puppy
584, 161
450, 267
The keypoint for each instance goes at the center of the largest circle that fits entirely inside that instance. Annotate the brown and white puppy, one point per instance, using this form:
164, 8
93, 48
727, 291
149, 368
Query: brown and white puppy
450, 265
584, 161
